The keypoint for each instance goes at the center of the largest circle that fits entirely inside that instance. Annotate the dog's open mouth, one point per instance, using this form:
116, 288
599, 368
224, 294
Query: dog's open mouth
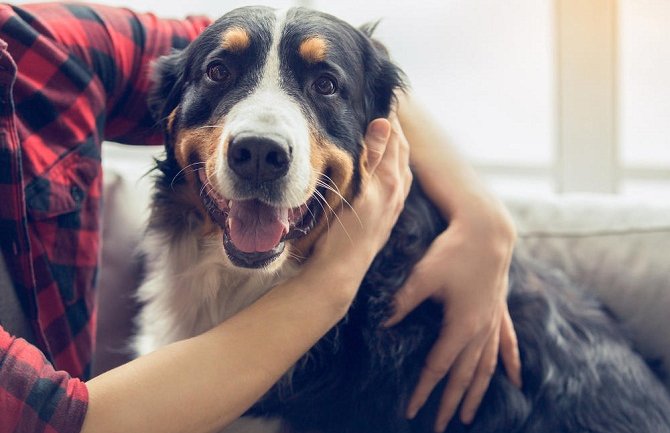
253, 231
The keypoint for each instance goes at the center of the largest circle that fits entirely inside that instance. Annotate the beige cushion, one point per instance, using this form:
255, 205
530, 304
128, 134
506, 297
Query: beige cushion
617, 248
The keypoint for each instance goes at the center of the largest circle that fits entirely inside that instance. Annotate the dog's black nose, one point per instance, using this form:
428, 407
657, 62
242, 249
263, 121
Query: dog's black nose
259, 159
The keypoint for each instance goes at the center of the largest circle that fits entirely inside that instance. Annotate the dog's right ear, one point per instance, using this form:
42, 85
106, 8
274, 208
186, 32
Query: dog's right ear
168, 76
382, 78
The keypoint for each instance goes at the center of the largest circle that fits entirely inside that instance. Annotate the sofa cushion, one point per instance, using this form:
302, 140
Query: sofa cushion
617, 248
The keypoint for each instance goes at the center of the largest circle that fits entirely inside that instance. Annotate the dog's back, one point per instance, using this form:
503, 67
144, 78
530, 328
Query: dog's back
579, 371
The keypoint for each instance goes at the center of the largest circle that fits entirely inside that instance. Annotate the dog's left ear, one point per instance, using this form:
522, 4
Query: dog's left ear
167, 87
382, 77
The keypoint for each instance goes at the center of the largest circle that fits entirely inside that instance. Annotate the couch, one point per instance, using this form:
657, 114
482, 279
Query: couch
617, 248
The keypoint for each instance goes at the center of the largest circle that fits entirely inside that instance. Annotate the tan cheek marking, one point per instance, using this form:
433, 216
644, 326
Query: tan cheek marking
235, 40
341, 169
197, 145
313, 49
317, 155
170, 120
326, 156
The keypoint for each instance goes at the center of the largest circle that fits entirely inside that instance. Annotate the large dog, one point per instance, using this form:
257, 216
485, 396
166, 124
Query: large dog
264, 116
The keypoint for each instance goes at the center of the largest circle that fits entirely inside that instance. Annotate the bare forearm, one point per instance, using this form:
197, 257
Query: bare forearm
451, 182
204, 383
444, 174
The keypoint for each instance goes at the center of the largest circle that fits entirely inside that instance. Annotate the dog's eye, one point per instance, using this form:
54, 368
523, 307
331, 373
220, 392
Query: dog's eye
325, 85
218, 72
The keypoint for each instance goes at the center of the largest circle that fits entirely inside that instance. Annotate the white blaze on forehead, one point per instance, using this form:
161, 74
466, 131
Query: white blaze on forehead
270, 77
270, 112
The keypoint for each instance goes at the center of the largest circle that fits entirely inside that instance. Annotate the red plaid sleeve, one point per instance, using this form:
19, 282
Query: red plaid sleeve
33, 396
119, 45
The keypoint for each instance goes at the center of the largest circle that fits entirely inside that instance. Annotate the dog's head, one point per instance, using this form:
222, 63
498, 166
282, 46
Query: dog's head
265, 112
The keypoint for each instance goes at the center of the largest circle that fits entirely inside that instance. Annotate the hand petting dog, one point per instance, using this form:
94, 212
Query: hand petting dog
467, 274
465, 269
375, 211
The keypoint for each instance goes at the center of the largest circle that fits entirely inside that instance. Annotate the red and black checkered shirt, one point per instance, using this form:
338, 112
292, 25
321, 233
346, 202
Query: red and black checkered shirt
71, 75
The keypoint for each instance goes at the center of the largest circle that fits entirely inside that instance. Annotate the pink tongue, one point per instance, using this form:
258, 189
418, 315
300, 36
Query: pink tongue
255, 226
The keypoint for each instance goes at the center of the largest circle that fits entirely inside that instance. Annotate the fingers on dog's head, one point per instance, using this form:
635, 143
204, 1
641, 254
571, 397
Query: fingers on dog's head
376, 139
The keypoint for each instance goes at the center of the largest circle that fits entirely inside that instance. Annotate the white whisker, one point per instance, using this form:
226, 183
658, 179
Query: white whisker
336, 191
176, 176
209, 126
335, 214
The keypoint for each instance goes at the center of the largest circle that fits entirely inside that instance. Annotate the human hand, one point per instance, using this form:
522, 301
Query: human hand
466, 269
363, 229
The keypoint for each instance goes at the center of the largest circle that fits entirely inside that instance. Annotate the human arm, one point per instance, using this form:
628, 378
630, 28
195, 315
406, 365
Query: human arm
465, 269
207, 381
196, 385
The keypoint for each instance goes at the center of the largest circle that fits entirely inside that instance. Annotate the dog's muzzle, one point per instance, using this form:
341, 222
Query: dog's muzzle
253, 231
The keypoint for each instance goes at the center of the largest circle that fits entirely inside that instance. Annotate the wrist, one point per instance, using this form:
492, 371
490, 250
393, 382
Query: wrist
487, 213
487, 225
334, 282
346, 256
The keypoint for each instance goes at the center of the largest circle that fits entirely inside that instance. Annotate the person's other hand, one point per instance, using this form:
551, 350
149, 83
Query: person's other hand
466, 269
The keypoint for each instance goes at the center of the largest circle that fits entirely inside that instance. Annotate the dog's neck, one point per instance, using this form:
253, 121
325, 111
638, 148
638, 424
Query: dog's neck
200, 277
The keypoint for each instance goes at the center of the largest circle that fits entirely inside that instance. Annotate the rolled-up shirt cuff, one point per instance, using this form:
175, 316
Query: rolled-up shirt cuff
33, 395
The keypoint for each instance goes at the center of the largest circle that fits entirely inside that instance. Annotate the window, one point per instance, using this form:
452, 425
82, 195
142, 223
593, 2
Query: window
644, 114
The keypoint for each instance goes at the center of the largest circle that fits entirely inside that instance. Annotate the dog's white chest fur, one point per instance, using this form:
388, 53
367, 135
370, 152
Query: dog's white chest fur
191, 287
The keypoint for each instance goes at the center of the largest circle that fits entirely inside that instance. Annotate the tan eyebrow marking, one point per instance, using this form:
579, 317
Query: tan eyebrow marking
313, 49
235, 39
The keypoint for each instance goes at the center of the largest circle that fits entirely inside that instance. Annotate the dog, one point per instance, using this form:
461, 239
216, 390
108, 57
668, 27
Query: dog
264, 116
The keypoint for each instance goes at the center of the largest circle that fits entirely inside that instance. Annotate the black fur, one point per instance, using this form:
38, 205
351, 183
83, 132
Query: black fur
579, 372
